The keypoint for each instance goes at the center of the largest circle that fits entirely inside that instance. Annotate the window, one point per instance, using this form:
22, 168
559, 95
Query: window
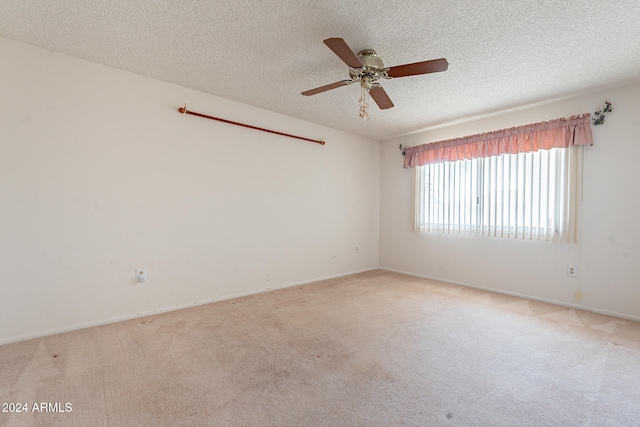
530, 195
522, 182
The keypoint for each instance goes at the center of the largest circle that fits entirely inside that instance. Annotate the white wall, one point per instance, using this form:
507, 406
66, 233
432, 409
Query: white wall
99, 174
607, 256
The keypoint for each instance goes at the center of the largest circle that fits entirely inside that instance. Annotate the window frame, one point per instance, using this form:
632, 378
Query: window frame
567, 172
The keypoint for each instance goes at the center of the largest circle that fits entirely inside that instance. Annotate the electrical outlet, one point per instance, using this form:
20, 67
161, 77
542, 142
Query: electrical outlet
357, 249
572, 270
141, 274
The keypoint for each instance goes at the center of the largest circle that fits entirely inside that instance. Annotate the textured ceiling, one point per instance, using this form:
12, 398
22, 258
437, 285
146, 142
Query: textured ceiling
502, 54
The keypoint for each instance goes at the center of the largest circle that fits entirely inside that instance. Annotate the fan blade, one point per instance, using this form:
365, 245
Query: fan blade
344, 52
380, 96
425, 67
327, 87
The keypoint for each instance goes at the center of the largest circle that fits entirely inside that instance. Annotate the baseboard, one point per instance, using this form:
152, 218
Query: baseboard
168, 309
515, 294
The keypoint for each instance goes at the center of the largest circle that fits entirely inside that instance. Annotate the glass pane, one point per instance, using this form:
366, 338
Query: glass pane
515, 195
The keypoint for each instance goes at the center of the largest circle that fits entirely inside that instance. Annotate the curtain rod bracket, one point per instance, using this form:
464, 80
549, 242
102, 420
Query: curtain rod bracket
599, 118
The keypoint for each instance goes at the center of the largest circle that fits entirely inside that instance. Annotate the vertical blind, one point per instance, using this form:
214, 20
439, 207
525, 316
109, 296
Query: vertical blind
518, 183
523, 196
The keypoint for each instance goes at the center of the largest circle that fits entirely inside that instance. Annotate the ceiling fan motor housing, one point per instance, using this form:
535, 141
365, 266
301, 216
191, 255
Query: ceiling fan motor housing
372, 68
370, 59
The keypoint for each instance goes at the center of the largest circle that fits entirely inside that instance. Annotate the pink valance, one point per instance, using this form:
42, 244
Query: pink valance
559, 133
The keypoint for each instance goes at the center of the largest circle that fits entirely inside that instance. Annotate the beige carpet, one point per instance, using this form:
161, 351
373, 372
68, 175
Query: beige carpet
372, 349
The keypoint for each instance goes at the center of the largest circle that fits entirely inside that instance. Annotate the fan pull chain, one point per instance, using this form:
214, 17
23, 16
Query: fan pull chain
364, 103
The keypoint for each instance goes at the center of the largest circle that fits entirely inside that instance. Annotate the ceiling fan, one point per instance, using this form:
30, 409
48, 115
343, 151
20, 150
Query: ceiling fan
367, 68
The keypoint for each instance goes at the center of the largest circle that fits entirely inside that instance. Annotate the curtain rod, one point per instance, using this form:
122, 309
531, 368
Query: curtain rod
184, 110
